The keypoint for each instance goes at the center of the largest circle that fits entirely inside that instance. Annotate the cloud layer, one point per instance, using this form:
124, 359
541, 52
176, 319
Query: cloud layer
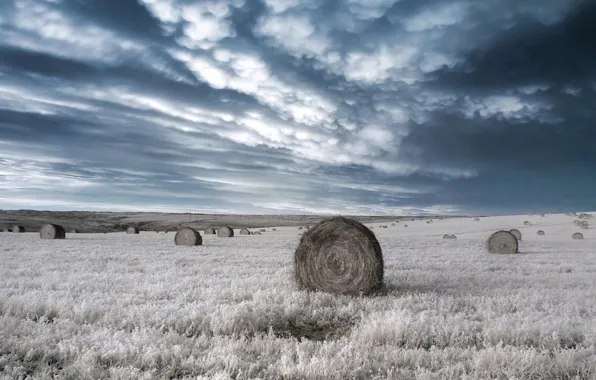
357, 107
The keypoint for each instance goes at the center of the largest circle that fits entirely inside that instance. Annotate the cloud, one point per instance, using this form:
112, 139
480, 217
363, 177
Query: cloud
381, 106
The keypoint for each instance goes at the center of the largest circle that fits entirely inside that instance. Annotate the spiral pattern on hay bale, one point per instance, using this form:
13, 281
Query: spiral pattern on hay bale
340, 256
225, 231
503, 242
18, 229
52, 231
540, 233
188, 236
577, 236
244, 231
132, 231
209, 231
516, 233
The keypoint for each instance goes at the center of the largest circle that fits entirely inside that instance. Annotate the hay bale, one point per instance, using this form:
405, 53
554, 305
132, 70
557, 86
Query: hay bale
446, 236
516, 233
503, 242
273, 229
132, 231
428, 222
405, 225
74, 231
188, 236
244, 231
527, 223
209, 231
577, 236
225, 232
341, 256
256, 233
18, 229
540, 233
453, 237
263, 230
393, 224
52, 231
7, 230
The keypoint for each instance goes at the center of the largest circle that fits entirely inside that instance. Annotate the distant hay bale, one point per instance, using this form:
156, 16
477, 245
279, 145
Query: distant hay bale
385, 227
542, 215
225, 232
453, 237
18, 229
405, 225
52, 231
584, 215
516, 233
7, 230
244, 231
273, 229
256, 233
527, 223
428, 222
74, 231
393, 224
188, 236
132, 231
299, 228
263, 230
341, 256
476, 219
446, 236
540, 233
582, 224
577, 236
503, 242
209, 231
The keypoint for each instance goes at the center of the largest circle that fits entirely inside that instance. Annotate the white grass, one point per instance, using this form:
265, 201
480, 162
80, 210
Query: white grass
137, 306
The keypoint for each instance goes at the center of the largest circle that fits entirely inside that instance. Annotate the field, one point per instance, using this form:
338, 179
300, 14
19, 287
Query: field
137, 307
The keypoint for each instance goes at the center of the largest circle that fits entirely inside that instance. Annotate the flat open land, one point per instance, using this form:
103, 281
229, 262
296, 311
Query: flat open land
138, 307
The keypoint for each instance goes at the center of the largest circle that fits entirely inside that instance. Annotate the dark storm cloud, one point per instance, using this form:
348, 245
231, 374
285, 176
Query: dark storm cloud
297, 106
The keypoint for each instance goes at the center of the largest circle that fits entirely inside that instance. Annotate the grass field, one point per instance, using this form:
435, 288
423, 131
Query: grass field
137, 307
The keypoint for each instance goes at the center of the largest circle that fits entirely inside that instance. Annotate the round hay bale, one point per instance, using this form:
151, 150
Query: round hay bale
52, 231
540, 233
7, 230
188, 236
244, 231
405, 225
341, 256
577, 236
428, 222
132, 231
516, 233
209, 231
256, 233
262, 230
453, 237
74, 231
393, 224
527, 223
446, 236
18, 229
225, 232
503, 242
273, 229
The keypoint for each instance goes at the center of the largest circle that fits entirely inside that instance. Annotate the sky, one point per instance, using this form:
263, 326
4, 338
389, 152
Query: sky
298, 106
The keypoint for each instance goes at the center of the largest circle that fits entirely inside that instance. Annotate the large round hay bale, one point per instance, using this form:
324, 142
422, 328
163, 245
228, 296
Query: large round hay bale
188, 236
341, 256
502, 242
577, 236
18, 229
225, 231
132, 231
209, 231
516, 233
244, 231
453, 237
527, 223
540, 233
52, 231
256, 233
446, 236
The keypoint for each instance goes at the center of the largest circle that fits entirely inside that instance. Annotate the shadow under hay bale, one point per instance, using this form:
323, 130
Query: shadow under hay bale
503, 242
18, 229
340, 256
540, 233
516, 233
244, 231
577, 236
52, 231
209, 231
225, 232
132, 231
188, 236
